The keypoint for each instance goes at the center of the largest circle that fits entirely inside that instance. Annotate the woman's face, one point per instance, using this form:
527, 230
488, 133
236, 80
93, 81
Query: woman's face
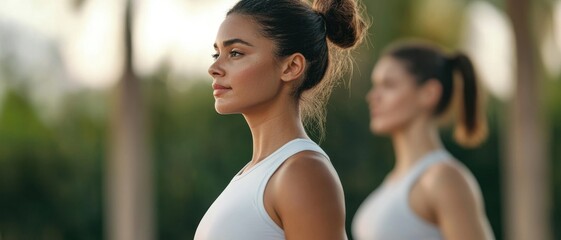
394, 100
245, 73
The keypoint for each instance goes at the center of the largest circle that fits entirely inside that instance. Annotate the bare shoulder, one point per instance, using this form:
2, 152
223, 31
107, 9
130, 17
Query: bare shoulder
451, 174
455, 200
451, 181
308, 198
307, 174
308, 165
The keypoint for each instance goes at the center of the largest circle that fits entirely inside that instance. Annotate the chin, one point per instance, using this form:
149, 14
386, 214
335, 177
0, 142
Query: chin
223, 112
380, 129
224, 109
221, 109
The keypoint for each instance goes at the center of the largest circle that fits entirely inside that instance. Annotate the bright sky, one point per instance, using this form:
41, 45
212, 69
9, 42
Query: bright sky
551, 45
489, 41
181, 32
178, 32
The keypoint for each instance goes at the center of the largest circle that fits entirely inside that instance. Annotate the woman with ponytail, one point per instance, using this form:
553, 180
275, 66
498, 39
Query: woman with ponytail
428, 194
276, 62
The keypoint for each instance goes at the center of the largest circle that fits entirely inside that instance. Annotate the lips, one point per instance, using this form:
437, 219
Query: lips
219, 89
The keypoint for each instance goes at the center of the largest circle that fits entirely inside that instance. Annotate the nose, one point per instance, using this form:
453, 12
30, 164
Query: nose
215, 70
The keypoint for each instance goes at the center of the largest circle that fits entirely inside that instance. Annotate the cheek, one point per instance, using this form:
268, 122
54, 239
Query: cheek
252, 82
395, 110
400, 104
252, 75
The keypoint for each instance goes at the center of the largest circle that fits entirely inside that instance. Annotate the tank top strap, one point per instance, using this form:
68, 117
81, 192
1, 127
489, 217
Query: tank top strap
423, 164
291, 148
285, 152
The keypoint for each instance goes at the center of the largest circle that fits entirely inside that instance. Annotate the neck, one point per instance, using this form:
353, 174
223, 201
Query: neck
413, 142
272, 128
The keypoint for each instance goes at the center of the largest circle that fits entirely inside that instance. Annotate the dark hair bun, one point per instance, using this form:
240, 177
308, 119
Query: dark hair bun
344, 24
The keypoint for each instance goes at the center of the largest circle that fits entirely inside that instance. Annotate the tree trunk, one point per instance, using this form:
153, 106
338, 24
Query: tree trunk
129, 208
526, 168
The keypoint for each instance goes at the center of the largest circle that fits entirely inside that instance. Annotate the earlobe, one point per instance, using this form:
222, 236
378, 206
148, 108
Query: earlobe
293, 67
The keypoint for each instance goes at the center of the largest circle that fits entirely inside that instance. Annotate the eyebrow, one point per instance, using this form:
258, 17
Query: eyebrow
232, 41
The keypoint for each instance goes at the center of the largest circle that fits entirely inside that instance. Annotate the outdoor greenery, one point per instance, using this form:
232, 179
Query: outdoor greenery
52, 170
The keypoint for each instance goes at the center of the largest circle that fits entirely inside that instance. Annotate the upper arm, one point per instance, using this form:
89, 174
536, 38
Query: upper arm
457, 203
308, 198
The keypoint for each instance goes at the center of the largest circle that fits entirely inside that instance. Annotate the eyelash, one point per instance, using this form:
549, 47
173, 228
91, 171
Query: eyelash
216, 55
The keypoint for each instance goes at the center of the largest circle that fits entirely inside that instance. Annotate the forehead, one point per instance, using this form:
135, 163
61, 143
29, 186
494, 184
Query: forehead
238, 26
389, 68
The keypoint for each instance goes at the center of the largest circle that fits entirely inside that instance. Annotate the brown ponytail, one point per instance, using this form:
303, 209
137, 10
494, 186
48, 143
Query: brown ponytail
471, 127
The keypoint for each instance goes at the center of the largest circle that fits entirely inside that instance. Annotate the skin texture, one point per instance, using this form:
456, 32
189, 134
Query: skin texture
304, 196
446, 195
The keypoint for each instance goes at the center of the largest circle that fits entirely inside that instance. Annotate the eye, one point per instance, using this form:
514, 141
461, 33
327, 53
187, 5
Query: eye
388, 84
234, 53
215, 56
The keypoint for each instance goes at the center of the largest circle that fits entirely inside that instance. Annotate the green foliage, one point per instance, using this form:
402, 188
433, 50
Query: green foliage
48, 191
51, 175
196, 152
552, 91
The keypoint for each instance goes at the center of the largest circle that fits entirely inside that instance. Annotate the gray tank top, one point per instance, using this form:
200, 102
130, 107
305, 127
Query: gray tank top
386, 213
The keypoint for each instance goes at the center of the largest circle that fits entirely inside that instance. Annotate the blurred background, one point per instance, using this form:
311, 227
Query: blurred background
108, 130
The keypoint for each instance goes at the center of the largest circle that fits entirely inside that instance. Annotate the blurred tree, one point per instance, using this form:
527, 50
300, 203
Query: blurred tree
527, 182
47, 191
129, 181
51, 174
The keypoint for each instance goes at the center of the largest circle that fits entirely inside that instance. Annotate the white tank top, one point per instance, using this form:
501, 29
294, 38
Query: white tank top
239, 212
386, 213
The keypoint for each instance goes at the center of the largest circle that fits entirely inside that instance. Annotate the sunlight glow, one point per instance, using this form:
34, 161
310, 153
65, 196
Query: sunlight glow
551, 45
489, 40
93, 43
177, 33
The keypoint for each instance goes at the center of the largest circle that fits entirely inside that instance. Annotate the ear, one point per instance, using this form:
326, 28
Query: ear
431, 91
293, 67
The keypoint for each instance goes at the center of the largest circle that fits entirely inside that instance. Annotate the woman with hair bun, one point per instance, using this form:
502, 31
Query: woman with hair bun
276, 63
428, 194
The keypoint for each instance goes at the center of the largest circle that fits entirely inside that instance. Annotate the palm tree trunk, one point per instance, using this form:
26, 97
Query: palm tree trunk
129, 208
526, 169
